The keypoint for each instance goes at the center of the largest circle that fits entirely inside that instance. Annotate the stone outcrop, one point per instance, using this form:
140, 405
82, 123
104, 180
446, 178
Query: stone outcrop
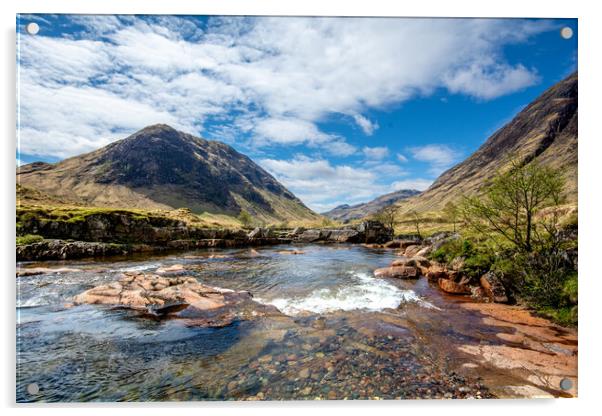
449, 286
400, 272
493, 287
449, 278
366, 232
61, 250
178, 297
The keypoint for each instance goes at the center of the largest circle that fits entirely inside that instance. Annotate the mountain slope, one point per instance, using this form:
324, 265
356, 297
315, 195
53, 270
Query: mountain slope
545, 131
162, 168
347, 212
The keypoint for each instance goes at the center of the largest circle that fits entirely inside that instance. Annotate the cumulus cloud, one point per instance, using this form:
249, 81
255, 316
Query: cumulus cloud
184, 72
322, 185
439, 157
375, 153
366, 125
419, 184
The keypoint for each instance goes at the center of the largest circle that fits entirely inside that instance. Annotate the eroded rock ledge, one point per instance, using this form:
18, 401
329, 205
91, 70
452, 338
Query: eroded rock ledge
98, 243
181, 297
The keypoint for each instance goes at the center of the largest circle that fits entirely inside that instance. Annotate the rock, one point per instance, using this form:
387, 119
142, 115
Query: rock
179, 297
392, 244
420, 262
438, 239
457, 264
423, 252
174, 269
61, 250
304, 373
401, 272
373, 246
344, 236
412, 250
44, 270
477, 292
450, 286
298, 231
258, 232
293, 252
374, 232
309, 236
413, 262
436, 272
493, 287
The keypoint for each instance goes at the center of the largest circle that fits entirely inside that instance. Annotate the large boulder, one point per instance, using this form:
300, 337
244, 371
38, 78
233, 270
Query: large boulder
412, 250
260, 232
493, 287
309, 236
346, 235
400, 272
425, 251
416, 261
179, 297
374, 232
449, 286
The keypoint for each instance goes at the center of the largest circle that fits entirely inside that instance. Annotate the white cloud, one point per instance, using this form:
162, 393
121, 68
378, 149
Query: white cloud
440, 157
401, 158
418, 183
322, 185
376, 153
488, 82
366, 125
128, 72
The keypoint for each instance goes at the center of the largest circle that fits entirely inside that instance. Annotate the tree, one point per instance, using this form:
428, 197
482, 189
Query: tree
417, 220
510, 206
387, 216
245, 218
451, 213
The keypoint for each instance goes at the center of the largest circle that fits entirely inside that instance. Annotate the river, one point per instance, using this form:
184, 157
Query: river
344, 335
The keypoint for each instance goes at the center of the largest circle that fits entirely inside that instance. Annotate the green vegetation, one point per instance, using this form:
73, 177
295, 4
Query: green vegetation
510, 205
516, 229
387, 216
29, 239
245, 218
75, 214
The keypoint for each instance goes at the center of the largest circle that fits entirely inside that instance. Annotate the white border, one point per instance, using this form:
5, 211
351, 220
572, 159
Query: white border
590, 72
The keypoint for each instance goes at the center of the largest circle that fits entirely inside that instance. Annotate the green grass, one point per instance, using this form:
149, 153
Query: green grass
566, 316
29, 239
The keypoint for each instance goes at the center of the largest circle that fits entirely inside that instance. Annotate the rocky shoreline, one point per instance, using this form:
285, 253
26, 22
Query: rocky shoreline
98, 239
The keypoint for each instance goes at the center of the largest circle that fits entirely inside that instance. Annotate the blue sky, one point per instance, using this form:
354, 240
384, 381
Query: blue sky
340, 110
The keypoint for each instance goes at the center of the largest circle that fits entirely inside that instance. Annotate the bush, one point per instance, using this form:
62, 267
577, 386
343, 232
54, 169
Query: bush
29, 239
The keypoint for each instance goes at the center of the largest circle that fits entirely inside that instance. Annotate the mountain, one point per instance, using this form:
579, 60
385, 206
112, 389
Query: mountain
544, 132
347, 212
162, 168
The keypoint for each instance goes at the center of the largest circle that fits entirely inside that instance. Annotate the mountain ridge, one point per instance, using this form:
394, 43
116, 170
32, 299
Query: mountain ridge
346, 212
545, 131
159, 167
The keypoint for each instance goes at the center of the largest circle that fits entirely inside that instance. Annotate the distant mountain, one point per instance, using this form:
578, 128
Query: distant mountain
545, 131
351, 212
162, 168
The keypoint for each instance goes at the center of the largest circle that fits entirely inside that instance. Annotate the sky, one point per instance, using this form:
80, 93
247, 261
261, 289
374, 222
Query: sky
339, 110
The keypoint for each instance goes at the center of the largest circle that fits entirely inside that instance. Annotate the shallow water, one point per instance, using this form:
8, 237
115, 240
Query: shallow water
345, 333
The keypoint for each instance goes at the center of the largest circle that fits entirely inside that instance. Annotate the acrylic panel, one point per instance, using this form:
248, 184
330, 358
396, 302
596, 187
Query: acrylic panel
295, 208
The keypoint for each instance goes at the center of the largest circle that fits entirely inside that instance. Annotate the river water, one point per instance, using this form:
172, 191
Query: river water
344, 334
